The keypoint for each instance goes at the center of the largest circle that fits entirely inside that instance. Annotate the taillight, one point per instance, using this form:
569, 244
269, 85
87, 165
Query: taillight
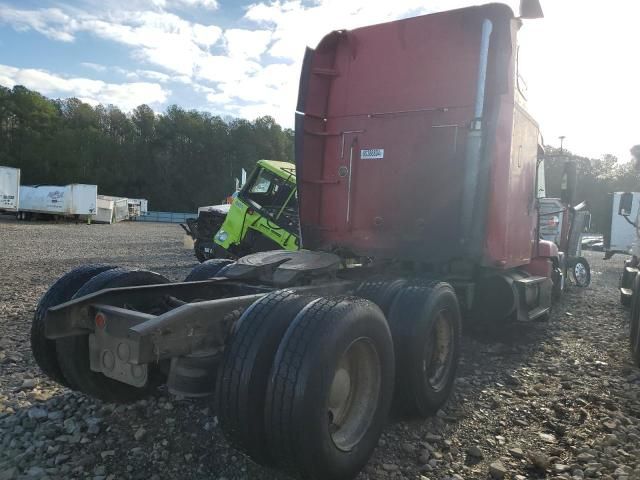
101, 320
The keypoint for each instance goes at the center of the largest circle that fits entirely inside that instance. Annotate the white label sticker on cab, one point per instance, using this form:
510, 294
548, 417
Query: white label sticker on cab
372, 153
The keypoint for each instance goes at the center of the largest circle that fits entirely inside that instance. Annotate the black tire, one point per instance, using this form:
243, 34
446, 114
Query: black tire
416, 325
302, 434
199, 252
581, 272
245, 367
73, 352
208, 269
634, 333
381, 292
43, 349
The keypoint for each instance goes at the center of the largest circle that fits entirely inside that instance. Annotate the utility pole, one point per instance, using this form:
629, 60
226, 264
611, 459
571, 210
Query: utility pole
561, 137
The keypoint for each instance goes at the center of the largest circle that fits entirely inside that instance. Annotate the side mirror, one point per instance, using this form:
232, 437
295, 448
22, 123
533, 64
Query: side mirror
626, 204
568, 184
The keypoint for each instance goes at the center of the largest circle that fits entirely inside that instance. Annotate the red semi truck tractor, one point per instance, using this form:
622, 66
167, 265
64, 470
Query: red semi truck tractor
416, 166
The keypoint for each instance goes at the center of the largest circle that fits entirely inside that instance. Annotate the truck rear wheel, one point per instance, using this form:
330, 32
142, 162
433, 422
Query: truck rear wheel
73, 352
245, 367
208, 269
425, 323
330, 389
43, 349
381, 292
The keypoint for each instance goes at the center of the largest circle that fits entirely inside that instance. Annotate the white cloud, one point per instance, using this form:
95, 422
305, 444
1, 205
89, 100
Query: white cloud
51, 22
125, 95
208, 4
243, 43
163, 39
221, 68
94, 66
157, 37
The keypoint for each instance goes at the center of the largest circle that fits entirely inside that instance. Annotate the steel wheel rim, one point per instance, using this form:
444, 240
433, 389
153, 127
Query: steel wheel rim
353, 394
438, 352
580, 273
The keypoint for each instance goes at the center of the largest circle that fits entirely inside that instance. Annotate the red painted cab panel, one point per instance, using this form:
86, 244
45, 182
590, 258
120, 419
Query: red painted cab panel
384, 114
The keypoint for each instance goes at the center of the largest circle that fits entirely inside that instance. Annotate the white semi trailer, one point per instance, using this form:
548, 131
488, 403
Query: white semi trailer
9, 189
75, 200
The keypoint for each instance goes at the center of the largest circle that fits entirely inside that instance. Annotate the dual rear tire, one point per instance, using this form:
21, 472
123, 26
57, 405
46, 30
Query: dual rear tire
306, 383
66, 360
44, 350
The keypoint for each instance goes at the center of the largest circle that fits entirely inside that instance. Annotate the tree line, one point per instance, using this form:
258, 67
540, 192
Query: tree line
179, 159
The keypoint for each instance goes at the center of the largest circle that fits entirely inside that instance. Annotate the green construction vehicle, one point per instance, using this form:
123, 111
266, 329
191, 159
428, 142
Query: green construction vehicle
263, 216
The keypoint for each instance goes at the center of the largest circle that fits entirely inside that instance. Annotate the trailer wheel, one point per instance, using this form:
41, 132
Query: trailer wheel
425, 323
208, 269
381, 292
581, 272
73, 352
330, 389
43, 349
245, 367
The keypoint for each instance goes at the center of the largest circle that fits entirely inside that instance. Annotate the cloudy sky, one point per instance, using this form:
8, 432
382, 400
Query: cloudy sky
242, 58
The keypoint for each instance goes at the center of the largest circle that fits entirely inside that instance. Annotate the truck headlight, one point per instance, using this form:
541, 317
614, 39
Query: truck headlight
222, 236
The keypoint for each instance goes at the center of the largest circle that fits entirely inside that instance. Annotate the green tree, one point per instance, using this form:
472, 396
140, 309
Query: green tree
178, 159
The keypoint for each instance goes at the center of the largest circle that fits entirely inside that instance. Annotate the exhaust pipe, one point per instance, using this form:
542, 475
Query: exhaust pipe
473, 156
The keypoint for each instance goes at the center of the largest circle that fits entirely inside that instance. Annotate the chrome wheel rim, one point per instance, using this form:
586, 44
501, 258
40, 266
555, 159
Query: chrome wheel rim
580, 273
353, 394
438, 352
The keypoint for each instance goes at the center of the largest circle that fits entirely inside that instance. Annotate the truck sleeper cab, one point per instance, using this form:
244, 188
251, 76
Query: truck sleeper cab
416, 179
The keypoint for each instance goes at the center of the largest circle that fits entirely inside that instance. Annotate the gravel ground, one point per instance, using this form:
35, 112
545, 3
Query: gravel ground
548, 400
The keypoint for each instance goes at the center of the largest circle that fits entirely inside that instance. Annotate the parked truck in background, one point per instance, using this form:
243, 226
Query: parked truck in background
263, 216
629, 278
9, 189
76, 200
620, 234
416, 168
